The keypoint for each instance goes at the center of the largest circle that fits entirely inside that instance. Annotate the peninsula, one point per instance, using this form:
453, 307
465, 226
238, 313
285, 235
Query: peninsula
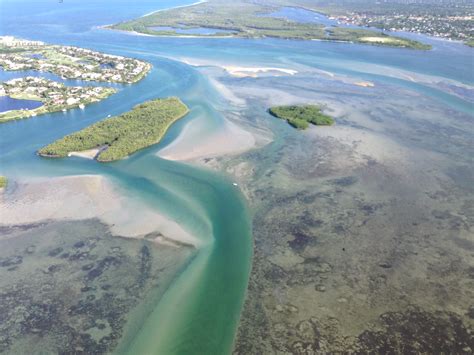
301, 116
118, 137
32, 96
249, 19
69, 62
51, 96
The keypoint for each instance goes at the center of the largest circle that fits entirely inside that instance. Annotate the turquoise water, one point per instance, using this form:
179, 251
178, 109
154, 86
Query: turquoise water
200, 312
7, 103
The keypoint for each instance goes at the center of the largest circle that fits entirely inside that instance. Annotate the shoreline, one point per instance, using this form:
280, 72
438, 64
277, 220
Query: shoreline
174, 7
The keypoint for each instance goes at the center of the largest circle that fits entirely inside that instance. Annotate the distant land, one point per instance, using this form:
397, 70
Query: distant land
452, 20
248, 19
118, 137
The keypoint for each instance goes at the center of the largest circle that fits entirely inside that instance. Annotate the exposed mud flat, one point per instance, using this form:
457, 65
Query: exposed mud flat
364, 230
73, 287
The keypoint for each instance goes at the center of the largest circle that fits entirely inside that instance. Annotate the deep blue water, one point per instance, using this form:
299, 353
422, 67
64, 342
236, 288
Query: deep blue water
7, 103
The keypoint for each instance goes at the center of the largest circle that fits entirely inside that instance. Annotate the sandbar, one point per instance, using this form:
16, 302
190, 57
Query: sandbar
253, 72
85, 197
365, 84
229, 139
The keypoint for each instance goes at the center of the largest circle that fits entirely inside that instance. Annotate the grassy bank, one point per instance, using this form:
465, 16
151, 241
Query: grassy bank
301, 116
123, 135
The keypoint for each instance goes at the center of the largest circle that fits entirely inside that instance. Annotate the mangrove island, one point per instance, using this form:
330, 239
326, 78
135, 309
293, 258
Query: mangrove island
118, 137
300, 116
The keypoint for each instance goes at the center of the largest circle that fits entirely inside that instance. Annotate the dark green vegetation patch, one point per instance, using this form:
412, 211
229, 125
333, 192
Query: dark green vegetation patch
301, 116
122, 135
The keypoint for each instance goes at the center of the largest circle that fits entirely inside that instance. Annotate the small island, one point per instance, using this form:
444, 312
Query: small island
3, 182
300, 116
35, 96
118, 137
69, 62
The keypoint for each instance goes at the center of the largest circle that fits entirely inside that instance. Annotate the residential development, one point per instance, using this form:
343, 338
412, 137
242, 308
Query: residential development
54, 96
33, 95
70, 62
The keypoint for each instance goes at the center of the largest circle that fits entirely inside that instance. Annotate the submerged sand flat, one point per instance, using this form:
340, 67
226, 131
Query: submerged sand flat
229, 139
85, 197
363, 229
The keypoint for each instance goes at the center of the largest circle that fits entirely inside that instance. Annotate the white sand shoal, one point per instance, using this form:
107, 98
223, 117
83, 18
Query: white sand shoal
365, 84
254, 71
236, 70
229, 140
89, 153
85, 197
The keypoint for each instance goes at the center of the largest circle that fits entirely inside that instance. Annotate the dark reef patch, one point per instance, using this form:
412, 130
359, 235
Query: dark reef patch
417, 332
76, 297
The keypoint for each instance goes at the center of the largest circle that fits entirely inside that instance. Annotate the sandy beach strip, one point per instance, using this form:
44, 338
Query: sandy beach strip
87, 154
86, 197
175, 7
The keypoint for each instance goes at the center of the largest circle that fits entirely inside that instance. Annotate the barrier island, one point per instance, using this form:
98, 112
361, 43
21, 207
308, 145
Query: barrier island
118, 137
301, 116
252, 19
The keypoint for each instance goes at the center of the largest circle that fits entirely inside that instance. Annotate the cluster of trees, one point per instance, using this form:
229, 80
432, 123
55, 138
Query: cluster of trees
123, 135
301, 116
